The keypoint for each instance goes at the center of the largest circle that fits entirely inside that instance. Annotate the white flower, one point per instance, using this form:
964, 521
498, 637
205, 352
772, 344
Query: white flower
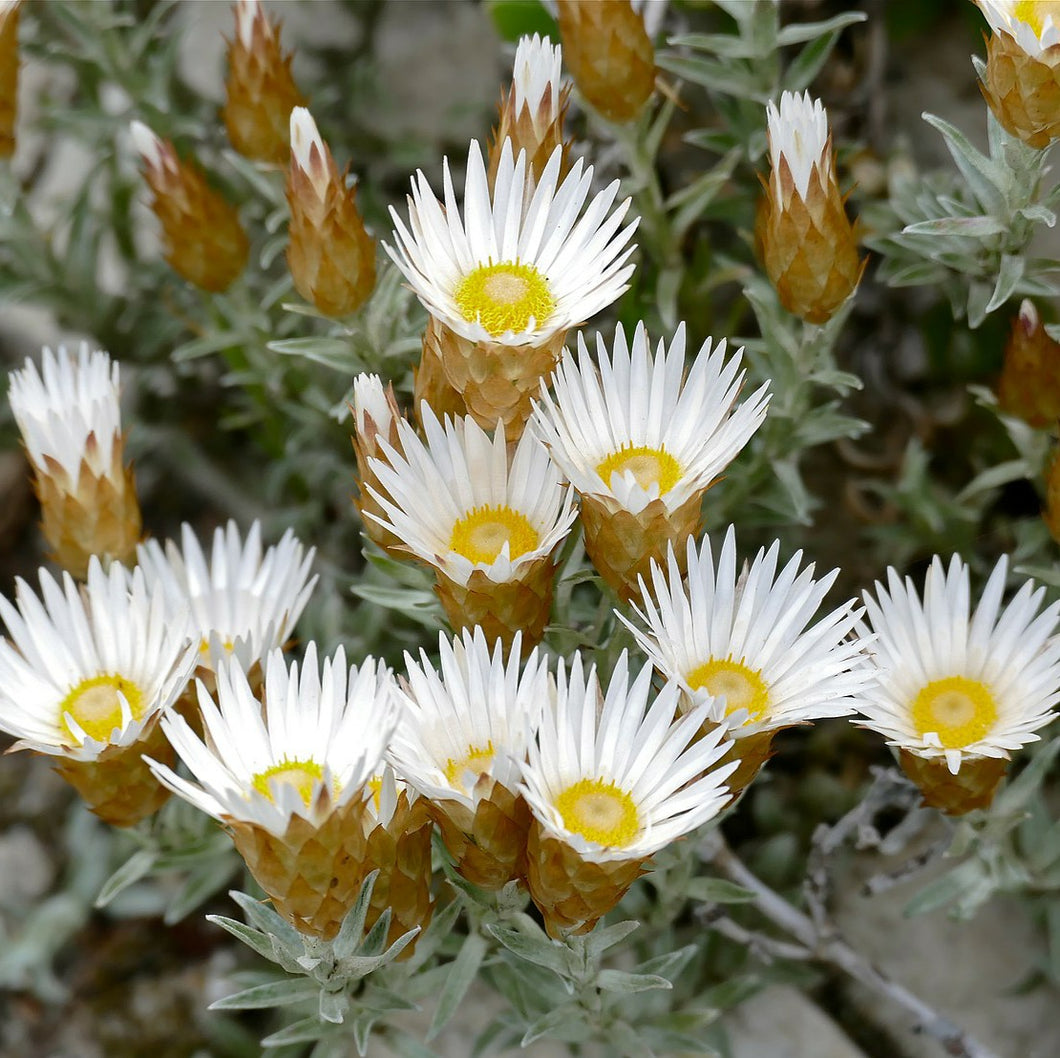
242, 602
457, 504
508, 273
798, 133
747, 641
635, 428
537, 79
617, 779
68, 410
312, 748
471, 718
82, 672
308, 151
1033, 24
373, 406
958, 685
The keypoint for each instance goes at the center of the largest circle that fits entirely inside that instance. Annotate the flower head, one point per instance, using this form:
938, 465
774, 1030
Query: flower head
634, 427
82, 673
466, 724
310, 751
615, 778
243, 603
1033, 24
955, 684
513, 269
460, 506
745, 642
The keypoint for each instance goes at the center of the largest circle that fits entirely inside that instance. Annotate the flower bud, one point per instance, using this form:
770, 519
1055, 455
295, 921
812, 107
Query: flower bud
70, 420
1021, 82
330, 255
809, 246
261, 92
531, 114
205, 243
8, 75
1051, 514
1029, 386
610, 55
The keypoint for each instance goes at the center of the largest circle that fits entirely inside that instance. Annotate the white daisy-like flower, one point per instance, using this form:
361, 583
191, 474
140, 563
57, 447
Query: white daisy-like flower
68, 410
458, 505
83, 672
508, 272
635, 428
615, 778
1033, 24
242, 602
537, 79
469, 719
311, 749
798, 134
745, 640
958, 684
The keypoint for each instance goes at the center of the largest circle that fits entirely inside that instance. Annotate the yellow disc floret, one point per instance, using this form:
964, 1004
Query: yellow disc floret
741, 686
504, 297
463, 772
959, 710
303, 775
600, 811
650, 466
95, 705
481, 534
1034, 13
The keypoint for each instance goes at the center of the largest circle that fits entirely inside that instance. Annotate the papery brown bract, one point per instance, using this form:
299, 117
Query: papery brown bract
1029, 386
972, 787
1023, 90
8, 77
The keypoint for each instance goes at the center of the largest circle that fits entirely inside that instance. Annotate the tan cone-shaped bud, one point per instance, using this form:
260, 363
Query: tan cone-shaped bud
497, 383
330, 254
1023, 90
429, 378
1029, 386
366, 447
402, 851
571, 893
502, 608
488, 844
94, 515
118, 786
972, 787
809, 246
610, 55
8, 75
1051, 514
205, 243
622, 545
313, 874
538, 129
260, 90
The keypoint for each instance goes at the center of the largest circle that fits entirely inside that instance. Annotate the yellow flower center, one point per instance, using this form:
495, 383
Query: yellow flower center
960, 711
303, 775
95, 704
650, 466
741, 687
504, 297
375, 785
599, 811
464, 772
481, 533
1034, 13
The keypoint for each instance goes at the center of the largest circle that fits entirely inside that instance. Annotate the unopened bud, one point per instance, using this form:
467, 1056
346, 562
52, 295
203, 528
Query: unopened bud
261, 92
205, 243
610, 55
531, 113
809, 247
1021, 82
1029, 386
330, 254
1051, 514
8, 74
